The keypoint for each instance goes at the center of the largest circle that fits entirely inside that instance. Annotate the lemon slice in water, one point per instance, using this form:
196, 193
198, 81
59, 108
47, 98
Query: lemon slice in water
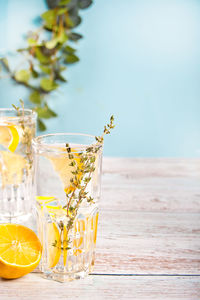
11, 167
9, 137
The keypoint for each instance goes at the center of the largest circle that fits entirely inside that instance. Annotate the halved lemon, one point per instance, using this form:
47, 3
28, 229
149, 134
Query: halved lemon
20, 250
9, 137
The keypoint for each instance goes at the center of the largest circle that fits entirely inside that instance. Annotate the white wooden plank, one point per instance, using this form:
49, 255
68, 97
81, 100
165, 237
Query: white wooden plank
160, 243
33, 287
152, 167
149, 224
151, 184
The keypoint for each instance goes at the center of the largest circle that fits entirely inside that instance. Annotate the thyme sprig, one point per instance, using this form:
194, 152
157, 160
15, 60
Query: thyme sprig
83, 164
27, 134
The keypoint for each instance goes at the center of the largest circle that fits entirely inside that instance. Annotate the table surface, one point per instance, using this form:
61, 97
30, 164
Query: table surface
148, 237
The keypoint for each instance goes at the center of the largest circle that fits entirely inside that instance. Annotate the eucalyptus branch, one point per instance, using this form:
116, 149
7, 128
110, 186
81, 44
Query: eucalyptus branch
46, 57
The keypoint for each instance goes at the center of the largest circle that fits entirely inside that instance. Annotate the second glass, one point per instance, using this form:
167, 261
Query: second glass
68, 172
17, 128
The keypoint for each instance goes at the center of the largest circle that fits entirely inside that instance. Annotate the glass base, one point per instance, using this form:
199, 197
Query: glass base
15, 218
65, 277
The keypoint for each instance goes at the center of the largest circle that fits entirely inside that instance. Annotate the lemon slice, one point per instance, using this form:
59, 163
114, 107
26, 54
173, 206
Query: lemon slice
62, 166
45, 199
56, 211
65, 245
9, 137
79, 227
54, 245
11, 167
53, 232
95, 220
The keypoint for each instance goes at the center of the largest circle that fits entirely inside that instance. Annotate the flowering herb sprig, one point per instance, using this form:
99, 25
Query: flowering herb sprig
27, 134
83, 164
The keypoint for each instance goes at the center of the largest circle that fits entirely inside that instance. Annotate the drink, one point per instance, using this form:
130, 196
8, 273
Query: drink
17, 127
68, 193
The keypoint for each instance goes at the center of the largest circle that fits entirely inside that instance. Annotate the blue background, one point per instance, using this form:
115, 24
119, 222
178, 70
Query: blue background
140, 60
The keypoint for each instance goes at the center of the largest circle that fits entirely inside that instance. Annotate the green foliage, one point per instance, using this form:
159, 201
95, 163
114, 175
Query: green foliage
35, 97
45, 112
71, 58
48, 85
47, 55
84, 3
41, 125
22, 76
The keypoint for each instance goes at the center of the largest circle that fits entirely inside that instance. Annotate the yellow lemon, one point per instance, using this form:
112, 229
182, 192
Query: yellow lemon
12, 167
9, 137
45, 199
65, 245
54, 244
62, 166
20, 250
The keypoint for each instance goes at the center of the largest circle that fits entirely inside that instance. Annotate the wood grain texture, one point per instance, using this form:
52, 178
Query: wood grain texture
151, 184
160, 243
33, 287
149, 227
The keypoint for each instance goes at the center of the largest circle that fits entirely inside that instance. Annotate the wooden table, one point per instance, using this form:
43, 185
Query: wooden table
148, 241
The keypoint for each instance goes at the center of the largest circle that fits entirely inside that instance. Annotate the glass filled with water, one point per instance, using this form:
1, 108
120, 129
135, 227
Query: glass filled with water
67, 173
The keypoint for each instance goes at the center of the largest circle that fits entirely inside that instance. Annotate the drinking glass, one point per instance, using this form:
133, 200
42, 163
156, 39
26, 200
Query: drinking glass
68, 173
17, 128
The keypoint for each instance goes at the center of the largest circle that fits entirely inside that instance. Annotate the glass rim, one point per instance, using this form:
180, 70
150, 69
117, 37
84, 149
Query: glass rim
37, 142
30, 113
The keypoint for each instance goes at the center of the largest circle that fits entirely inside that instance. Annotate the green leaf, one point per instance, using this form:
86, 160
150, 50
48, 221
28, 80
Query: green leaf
48, 85
75, 36
41, 125
31, 42
61, 11
52, 43
69, 22
64, 2
49, 16
69, 50
62, 38
45, 112
22, 76
22, 49
84, 3
45, 69
75, 21
62, 68
5, 64
34, 73
60, 77
43, 59
71, 58
49, 27
35, 97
